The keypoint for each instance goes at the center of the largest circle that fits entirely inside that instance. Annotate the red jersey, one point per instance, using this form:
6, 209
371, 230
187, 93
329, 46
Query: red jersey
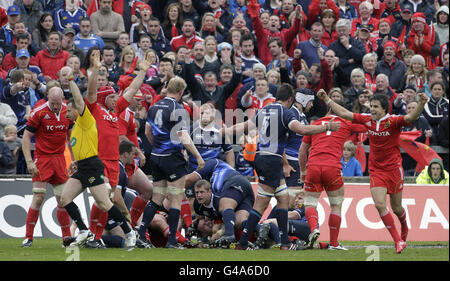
327, 147
127, 126
384, 137
108, 128
50, 129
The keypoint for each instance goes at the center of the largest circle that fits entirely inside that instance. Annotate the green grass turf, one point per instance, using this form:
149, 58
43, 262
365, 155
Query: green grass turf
51, 250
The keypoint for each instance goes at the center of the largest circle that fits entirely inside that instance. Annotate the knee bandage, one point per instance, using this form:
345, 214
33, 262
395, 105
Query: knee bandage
262, 192
175, 190
58, 189
39, 190
160, 190
311, 201
281, 190
336, 200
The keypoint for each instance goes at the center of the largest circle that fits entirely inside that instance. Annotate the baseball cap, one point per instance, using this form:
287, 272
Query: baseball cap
13, 10
22, 53
68, 30
411, 87
364, 27
407, 8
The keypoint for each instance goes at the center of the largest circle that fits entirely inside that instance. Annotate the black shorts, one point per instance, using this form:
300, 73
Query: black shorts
240, 190
169, 168
294, 178
90, 172
269, 169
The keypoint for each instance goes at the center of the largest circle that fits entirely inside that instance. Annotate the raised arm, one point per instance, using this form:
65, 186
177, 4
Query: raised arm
77, 97
337, 109
91, 95
131, 91
413, 115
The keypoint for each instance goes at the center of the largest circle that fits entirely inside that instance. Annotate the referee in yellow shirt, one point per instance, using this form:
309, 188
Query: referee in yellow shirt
89, 167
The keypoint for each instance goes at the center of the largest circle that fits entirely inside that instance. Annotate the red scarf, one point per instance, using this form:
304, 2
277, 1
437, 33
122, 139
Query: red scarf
174, 31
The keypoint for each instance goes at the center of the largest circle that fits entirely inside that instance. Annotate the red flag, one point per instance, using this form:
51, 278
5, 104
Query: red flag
420, 152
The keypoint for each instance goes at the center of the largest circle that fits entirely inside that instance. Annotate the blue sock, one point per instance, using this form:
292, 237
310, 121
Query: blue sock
113, 241
149, 212
252, 221
299, 228
274, 233
282, 220
229, 219
172, 220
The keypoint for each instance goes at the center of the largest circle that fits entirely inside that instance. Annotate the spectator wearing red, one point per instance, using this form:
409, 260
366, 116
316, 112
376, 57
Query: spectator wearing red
365, 17
394, 68
363, 34
302, 35
423, 40
317, 7
3, 17
52, 59
388, 9
263, 35
328, 19
188, 38
259, 99
383, 87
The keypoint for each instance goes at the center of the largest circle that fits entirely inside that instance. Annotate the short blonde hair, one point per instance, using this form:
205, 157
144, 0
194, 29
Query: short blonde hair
176, 84
274, 72
10, 128
349, 145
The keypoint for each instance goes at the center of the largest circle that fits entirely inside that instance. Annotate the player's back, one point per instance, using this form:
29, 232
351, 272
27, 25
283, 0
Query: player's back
294, 140
217, 172
327, 147
272, 122
166, 117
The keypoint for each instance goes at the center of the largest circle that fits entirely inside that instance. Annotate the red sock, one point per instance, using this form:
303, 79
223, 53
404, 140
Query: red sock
180, 238
388, 221
102, 220
312, 217
137, 208
185, 212
93, 220
323, 245
64, 221
404, 224
32, 218
334, 222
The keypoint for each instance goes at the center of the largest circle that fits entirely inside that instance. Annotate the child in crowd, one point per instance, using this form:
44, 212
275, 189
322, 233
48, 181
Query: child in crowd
350, 166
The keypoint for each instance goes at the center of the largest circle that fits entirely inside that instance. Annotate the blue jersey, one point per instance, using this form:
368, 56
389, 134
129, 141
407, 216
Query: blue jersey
86, 43
244, 167
211, 211
209, 143
272, 122
294, 140
64, 17
217, 172
166, 118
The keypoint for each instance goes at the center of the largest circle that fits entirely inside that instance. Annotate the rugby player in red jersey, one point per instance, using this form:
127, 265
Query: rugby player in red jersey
137, 180
49, 125
106, 106
324, 173
385, 161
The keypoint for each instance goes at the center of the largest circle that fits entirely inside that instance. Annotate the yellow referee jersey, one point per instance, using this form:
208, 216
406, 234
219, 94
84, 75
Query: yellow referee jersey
84, 139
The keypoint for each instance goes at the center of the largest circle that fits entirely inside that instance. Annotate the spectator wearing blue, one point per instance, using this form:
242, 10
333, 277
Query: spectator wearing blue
6, 32
69, 16
85, 39
5, 157
309, 48
350, 166
346, 11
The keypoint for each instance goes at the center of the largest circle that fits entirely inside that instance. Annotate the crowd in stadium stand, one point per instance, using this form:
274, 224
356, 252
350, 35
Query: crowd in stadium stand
233, 54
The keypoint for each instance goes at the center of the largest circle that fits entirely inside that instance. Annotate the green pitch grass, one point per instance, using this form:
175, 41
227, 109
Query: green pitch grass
51, 250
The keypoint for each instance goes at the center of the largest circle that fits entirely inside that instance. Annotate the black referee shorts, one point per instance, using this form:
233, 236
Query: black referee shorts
90, 172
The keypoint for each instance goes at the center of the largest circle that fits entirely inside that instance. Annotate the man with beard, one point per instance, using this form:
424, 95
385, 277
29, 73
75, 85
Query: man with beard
107, 24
